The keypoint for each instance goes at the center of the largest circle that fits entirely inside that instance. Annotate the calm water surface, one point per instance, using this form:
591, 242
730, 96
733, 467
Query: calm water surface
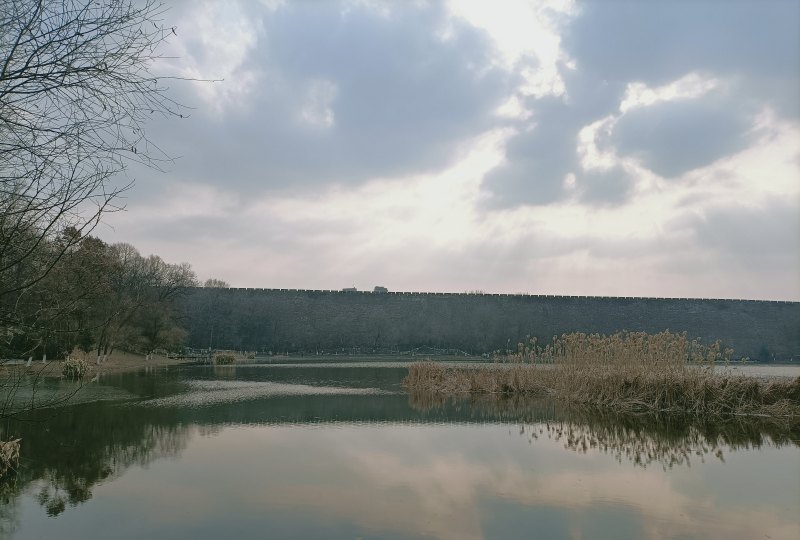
342, 451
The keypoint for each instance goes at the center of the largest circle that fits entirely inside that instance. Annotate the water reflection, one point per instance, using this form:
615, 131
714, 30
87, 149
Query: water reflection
294, 455
640, 439
67, 452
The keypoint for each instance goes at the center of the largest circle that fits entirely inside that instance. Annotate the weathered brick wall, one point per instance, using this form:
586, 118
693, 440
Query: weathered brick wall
281, 320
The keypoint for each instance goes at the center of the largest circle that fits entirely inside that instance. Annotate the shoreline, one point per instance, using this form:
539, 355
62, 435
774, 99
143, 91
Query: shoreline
124, 362
117, 362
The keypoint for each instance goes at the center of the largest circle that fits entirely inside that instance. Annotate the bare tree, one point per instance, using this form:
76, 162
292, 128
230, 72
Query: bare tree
138, 301
214, 283
77, 86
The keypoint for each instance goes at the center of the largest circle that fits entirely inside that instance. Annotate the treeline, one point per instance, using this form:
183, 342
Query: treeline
91, 295
77, 90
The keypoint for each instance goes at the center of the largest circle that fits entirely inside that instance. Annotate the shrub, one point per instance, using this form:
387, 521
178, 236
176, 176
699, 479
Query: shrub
224, 359
74, 368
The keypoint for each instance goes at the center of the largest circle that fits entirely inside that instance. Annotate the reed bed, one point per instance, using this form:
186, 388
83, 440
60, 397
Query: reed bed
627, 371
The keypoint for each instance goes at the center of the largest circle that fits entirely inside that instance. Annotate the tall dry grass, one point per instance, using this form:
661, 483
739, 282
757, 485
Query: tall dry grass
9, 456
627, 371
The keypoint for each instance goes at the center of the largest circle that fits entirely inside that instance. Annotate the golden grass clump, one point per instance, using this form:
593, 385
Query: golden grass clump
9, 456
627, 371
74, 368
224, 359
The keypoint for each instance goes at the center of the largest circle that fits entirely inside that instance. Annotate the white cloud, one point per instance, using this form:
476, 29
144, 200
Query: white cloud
385, 215
637, 95
591, 156
513, 109
317, 108
690, 86
526, 34
428, 233
212, 43
424, 226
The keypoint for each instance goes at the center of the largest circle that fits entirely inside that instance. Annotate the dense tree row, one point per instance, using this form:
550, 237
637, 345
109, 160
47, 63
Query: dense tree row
77, 88
96, 297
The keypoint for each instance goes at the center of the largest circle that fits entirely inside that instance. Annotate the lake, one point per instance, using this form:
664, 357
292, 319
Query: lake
340, 450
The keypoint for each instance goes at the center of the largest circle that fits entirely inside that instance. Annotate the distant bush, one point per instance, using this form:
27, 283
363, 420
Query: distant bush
224, 359
74, 368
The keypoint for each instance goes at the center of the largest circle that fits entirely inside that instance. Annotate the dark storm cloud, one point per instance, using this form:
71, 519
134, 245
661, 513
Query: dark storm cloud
751, 237
657, 42
538, 160
674, 137
753, 46
604, 186
404, 100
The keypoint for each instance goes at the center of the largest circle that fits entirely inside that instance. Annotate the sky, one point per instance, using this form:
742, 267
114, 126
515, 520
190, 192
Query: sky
541, 147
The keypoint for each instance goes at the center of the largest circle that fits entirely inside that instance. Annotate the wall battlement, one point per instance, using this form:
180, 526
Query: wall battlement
327, 320
520, 295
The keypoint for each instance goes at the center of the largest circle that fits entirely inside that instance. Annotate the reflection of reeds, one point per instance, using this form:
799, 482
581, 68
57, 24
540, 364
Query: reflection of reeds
624, 372
670, 442
641, 439
224, 371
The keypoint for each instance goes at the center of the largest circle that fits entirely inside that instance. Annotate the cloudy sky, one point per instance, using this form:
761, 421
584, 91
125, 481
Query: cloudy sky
599, 148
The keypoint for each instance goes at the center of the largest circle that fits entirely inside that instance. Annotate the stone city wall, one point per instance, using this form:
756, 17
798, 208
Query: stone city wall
319, 320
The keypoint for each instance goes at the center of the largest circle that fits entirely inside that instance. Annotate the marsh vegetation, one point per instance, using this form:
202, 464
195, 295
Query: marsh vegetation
626, 371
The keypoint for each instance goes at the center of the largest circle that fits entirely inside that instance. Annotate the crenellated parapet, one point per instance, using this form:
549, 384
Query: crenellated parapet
502, 295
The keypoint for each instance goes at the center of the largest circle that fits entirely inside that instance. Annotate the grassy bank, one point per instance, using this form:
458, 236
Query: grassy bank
634, 372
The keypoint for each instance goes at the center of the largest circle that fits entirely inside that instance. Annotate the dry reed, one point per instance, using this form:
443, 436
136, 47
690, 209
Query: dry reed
75, 368
224, 360
627, 371
9, 456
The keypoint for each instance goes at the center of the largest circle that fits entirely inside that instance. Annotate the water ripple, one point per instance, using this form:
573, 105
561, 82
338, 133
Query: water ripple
201, 393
